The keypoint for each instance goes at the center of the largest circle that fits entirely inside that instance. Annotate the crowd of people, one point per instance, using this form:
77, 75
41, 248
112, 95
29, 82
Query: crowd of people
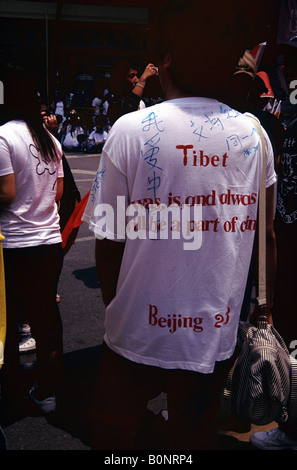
78, 128
83, 123
172, 309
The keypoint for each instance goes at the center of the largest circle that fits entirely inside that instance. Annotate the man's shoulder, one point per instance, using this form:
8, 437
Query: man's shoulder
136, 117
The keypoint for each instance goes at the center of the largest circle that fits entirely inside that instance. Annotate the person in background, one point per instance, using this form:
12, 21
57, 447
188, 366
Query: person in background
284, 437
245, 94
72, 132
96, 140
31, 182
99, 104
60, 107
126, 89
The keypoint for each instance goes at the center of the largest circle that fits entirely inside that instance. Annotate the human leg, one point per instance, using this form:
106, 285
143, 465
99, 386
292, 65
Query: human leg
285, 321
36, 268
44, 315
120, 399
193, 407
285, 300
10, 373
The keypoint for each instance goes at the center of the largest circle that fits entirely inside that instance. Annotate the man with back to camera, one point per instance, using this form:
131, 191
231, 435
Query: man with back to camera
173, 287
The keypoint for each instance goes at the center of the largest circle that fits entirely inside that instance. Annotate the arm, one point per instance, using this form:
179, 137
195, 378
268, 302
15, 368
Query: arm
149, 71
108, 255
7, 189
60, 189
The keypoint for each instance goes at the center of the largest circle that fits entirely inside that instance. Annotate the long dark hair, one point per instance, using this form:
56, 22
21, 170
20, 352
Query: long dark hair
21, 103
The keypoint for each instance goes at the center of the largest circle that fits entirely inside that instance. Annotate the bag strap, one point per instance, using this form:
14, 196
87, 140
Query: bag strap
261, 299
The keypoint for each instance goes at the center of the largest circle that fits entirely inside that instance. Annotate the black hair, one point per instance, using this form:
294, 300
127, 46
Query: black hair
21, 103
205, 41
119, 85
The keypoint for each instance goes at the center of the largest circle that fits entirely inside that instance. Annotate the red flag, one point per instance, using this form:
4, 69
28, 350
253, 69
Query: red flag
257, 52
70, 231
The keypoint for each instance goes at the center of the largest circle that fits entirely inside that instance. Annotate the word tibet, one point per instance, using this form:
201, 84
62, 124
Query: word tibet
191, 157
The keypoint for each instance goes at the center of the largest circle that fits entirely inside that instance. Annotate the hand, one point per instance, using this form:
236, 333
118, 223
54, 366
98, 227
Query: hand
261, 313
149, 71
50, 123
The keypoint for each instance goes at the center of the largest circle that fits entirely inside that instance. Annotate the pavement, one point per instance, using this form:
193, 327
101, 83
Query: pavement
82, 312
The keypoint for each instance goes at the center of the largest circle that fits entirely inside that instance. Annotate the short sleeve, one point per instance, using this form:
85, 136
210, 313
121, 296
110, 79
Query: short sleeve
6, 167
270, 169
108, 201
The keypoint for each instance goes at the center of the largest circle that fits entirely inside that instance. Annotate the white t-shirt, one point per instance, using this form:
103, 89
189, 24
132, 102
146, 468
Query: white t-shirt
71, 140
32, 219
98, 136
181, 286
96, 103
60, 109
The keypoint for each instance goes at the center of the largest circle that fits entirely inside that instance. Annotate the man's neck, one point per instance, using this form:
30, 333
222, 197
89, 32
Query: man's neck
173, 92
173, 96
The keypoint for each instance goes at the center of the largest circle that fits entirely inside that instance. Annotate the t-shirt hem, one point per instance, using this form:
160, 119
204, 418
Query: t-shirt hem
30, 243
271, 181
184, 365
100, 233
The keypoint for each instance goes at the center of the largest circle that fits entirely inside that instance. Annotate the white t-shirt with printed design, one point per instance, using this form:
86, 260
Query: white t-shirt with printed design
32, 219
184, 268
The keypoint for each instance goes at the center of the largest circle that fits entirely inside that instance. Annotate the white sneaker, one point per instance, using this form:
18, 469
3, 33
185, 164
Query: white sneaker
28, 344
276, 439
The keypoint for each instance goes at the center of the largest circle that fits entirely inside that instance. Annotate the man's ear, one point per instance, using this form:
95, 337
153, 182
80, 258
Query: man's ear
167, 60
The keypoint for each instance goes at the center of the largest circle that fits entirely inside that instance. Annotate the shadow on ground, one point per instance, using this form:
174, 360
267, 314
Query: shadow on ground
88, 276
80, 374
73, 400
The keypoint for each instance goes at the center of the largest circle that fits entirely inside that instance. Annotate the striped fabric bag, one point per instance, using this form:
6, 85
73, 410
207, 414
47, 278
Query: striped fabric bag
262, 385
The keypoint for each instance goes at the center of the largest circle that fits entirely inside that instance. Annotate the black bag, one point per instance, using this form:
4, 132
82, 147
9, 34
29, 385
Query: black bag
71, 195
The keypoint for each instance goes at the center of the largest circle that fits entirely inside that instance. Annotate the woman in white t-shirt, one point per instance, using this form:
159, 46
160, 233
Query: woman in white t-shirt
73, 130
31, 181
